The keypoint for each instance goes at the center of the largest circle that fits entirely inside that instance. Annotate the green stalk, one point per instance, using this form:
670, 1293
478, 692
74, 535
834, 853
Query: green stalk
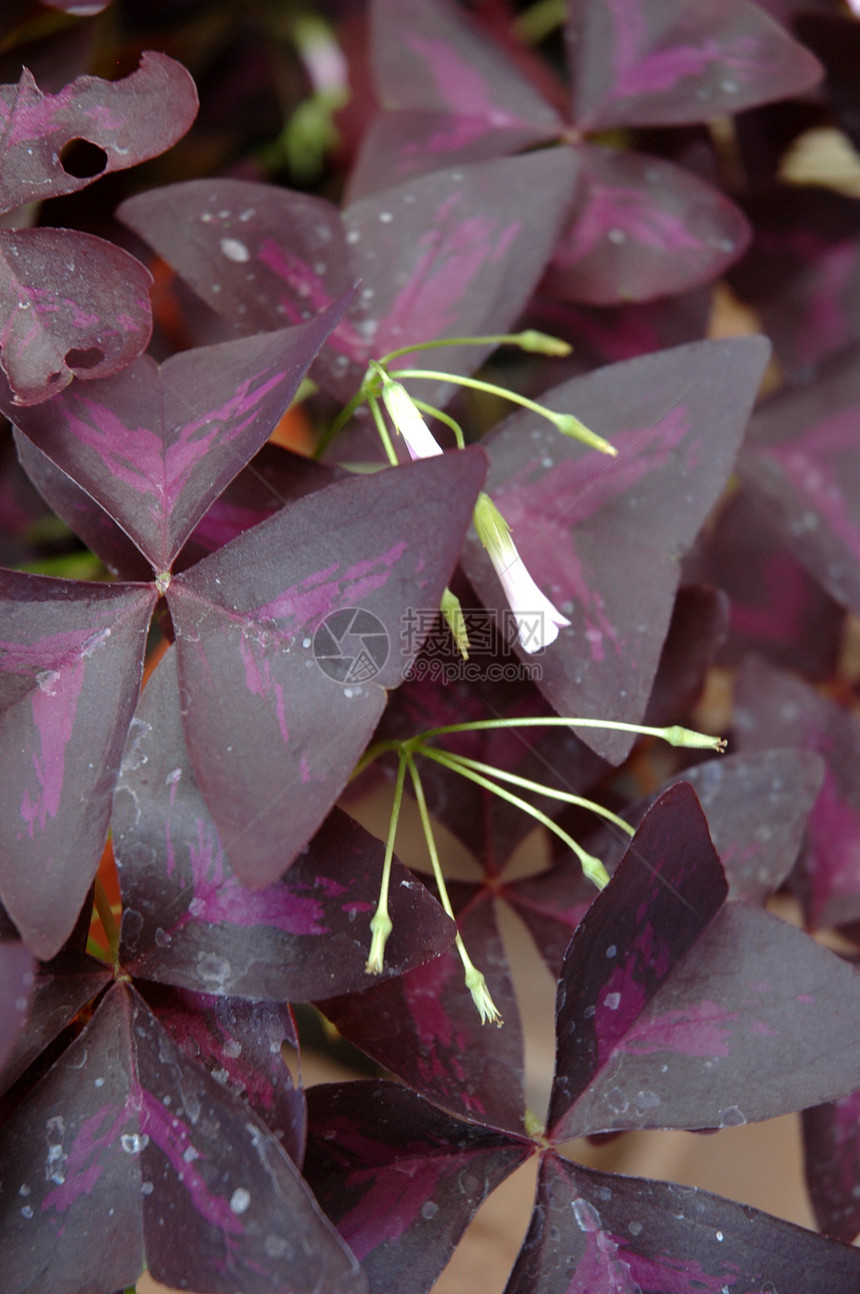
591, 866
381, 925
674, 735
475, 982
108, 920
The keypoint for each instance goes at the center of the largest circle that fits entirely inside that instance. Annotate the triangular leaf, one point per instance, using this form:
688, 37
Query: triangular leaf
831, 1144
72, 657
155, 445
188, 921
400, 1179
275, 751
602, 536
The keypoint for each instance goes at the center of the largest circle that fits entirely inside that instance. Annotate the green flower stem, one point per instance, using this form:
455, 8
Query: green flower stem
566, 423
108, 920
340, 421
530, 340
381, 925
443, 417
591, 866
674, 735
475, 982
390, 451
540, 789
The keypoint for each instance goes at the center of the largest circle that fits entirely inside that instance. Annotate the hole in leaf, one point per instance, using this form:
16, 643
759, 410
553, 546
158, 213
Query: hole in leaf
88, 358
82, 159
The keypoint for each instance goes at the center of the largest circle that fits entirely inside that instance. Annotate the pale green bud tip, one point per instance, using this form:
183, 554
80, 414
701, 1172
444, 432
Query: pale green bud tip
477, 986
162, 582
568, 425
381, 927
456, 621
533, 1125
595, 871
407, 420
540, 343
678, 736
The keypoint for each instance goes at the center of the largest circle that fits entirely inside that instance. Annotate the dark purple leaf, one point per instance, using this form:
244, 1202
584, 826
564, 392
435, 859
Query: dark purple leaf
636, 933
129, 121
725, 1040
81, 513
17, 978
551, 905
772, 708
188, 921
642, 228
835, 39
60, 989
72, 306
803, 457
602, 536
69, 675
698, 626
456, 253
776, 607
599, 1232
831, 1143
156, 445
400, 1179
300, 692
424, 1027
240, 1044
154, 1159
641, 63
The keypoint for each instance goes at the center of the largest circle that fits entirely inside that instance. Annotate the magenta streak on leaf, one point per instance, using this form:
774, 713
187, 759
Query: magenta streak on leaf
55, 708
636, 73
392, 1203
600, 1267
220, 900
623, 997
78, 1169
173, 1138
833, 831
308, 603
257, 672
227, 521
302, 280
817, 481
699, 1030
461, 88
457, 133
631, 212
449, 260
674, 1275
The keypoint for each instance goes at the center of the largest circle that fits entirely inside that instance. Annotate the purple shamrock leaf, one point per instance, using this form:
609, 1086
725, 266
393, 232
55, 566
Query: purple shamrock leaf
455, 254
155, 445
643, 1038
296, 627
72, 306
696, 630
594, 1231
129, 121
642, 63
773, 708
70, 669
831, 1144
144, 1147
803, 456
188, 921
642, 228
423, 1026
602, 536
241, 1044
666, 890
399, 1178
